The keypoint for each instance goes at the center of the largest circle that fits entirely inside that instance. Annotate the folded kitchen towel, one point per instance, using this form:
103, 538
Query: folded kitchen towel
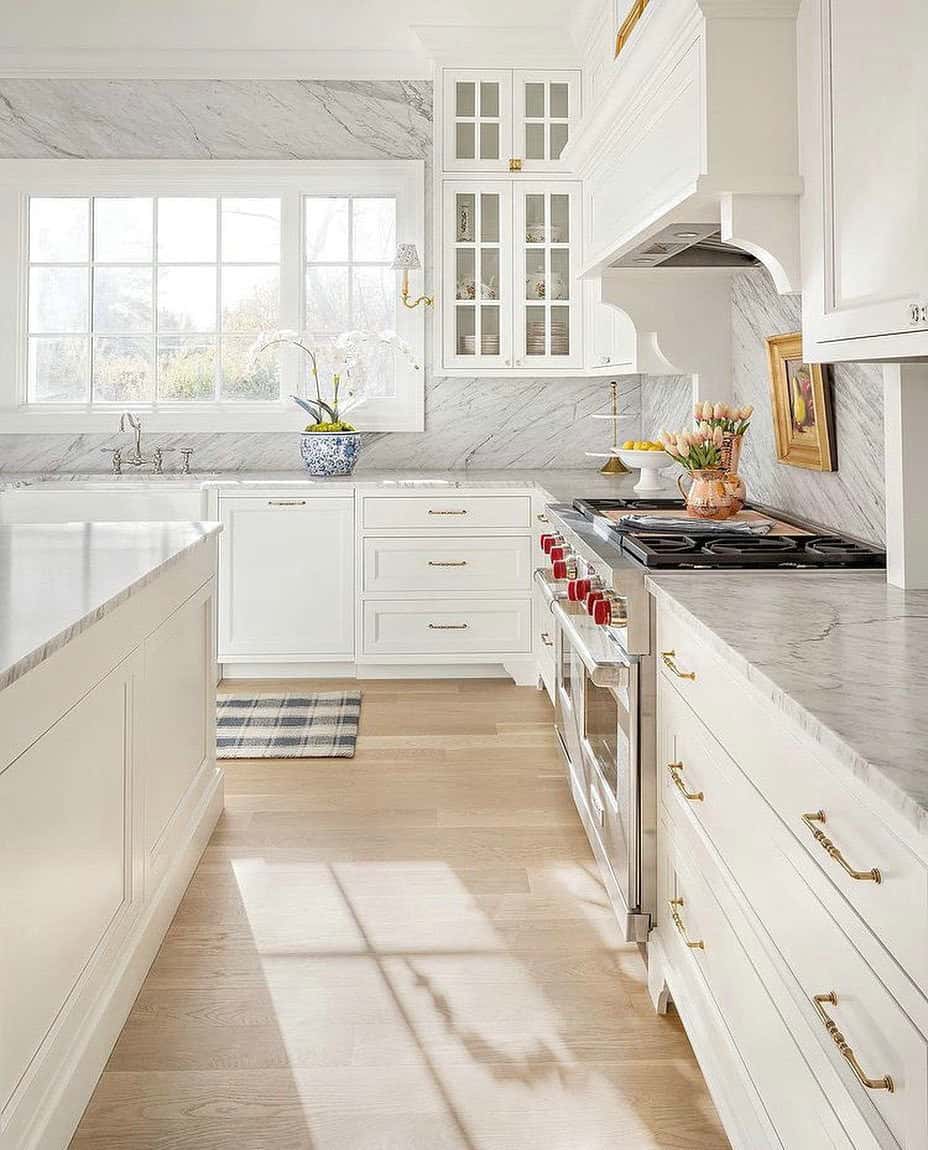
688, 526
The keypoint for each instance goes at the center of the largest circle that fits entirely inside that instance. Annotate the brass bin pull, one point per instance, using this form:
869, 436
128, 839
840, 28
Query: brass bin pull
693, 796
668, 657
884, 1083
448, 563
829, 847
546, 639
447, 626
679, 924
463, 511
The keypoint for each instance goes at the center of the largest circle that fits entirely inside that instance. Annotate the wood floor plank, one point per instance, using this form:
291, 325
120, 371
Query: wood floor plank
409, 950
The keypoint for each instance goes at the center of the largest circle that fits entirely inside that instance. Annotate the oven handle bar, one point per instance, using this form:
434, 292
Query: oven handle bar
602, 672
550, 587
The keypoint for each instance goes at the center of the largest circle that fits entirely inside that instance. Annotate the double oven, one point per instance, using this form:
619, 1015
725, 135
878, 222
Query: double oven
604, 716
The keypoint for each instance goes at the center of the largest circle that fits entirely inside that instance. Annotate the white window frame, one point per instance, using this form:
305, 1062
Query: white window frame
291, 180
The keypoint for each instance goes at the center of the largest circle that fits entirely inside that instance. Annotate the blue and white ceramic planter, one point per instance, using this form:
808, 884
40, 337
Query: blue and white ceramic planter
327, 453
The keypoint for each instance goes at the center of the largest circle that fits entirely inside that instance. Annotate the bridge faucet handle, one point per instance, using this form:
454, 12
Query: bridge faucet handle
185, 453
116, 453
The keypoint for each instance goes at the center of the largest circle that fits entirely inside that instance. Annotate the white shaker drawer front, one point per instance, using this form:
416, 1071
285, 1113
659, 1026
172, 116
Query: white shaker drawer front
491, 563
885, 883
701, 940
447, 626
446, 512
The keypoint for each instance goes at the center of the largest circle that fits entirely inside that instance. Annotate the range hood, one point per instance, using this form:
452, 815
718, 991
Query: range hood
697, 121
687, 245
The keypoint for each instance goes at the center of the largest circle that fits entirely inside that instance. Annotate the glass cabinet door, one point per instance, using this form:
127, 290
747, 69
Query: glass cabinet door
545, 110
547, 328
478, 252
478, 120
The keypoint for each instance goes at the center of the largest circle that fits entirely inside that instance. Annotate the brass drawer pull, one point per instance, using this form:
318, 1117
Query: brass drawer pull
447, 626
456, 563
679, 924
884, 1083
286, 503
543, 519
693, 796
463, 511
546, 639
668, 657
829, 847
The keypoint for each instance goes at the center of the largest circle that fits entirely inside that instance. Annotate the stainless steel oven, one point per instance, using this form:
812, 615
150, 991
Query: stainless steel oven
599, 717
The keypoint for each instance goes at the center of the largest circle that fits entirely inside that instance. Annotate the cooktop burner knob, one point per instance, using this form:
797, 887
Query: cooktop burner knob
592, 597
610, 611
565, 568
578, 589
549, 541
558, 551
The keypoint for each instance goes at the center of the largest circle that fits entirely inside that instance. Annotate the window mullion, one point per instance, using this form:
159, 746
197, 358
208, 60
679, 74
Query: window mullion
217, 366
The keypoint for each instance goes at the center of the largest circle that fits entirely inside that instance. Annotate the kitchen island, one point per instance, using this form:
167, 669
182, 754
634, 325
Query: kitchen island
108, 790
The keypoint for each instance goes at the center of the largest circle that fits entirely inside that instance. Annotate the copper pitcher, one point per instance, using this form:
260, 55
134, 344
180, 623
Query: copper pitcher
708, 496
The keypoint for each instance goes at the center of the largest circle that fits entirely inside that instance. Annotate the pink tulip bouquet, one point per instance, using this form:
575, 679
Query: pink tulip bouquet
733, 420
697, 450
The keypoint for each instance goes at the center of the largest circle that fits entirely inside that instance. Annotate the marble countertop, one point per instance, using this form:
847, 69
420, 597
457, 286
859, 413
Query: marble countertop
560, 485
56, 580
843, 655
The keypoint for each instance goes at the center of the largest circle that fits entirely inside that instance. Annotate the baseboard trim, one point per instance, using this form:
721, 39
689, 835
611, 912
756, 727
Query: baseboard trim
522, 673
81, 1062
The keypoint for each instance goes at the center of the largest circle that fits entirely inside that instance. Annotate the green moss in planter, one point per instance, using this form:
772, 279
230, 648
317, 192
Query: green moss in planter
340, 426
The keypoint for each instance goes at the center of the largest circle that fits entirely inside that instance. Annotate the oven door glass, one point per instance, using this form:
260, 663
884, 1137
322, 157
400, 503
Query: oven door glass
610, 741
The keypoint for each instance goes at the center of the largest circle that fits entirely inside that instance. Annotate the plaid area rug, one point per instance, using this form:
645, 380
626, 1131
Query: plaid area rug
318, 726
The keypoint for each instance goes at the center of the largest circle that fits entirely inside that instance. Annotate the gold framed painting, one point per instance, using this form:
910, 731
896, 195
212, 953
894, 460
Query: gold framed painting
803, 414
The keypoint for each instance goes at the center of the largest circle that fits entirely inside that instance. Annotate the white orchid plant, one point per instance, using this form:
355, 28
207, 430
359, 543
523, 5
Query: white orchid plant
352, 349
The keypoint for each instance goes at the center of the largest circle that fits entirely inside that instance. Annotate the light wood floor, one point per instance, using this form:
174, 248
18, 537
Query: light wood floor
410, 950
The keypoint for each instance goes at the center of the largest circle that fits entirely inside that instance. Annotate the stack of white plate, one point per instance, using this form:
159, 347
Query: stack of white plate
467, 345
560, 336
535, 336
491, 343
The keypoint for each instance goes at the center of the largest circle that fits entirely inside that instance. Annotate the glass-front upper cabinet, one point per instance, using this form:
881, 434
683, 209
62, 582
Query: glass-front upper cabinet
477, 222
547, 319
503, 121
545, 112
478, 119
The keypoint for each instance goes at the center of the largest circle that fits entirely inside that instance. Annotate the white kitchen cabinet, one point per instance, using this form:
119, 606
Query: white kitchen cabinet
513, 301
825, 1039
499, 120
865, 167
477, 274
610, 341
286, 578
547, 331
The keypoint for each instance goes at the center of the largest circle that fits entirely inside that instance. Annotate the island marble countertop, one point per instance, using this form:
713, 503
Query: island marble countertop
56, 580
561, 485
843, 655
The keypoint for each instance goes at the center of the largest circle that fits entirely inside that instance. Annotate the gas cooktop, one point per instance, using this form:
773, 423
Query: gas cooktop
795, 545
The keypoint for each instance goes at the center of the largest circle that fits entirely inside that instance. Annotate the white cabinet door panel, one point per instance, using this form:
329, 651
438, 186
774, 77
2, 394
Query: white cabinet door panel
443, 512
287, 577
497, 563
64, 863
447, 627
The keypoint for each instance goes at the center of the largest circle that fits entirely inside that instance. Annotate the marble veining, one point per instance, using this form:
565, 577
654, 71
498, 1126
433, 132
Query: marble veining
850, 499
215, 119
841, 655
56, 580
485, 423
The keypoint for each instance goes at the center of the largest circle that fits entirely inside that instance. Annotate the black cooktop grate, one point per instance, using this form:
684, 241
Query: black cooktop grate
810, 552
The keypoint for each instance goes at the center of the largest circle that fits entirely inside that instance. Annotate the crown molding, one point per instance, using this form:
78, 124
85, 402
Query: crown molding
197, 64
510, 46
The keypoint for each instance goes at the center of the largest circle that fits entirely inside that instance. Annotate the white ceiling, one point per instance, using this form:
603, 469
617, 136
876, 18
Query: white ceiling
257, 25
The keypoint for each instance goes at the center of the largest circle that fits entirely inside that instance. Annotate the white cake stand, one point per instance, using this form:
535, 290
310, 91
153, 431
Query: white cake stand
650, 464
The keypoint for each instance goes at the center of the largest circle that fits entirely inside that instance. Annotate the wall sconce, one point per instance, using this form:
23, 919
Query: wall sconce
408, 257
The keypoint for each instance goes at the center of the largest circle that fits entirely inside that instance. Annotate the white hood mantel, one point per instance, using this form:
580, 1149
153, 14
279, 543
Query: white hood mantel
698, 123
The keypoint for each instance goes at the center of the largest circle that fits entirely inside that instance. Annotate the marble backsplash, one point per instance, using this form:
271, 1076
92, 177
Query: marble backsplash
850, 499
478, 423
